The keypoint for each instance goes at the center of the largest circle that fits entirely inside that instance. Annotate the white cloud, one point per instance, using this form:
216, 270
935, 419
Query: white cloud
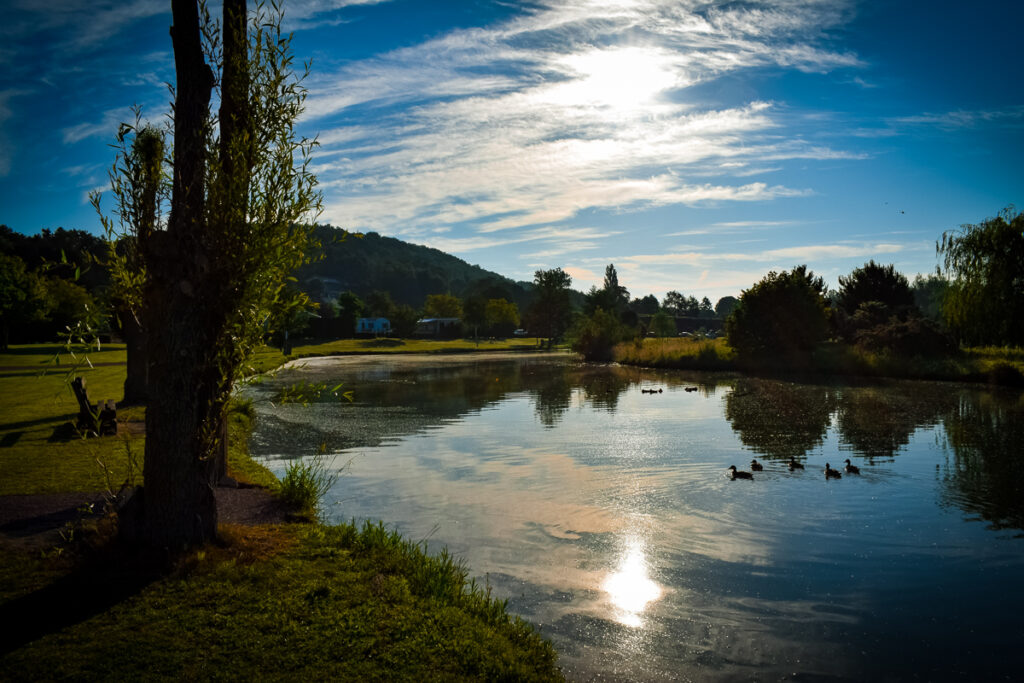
566, 108
106, 127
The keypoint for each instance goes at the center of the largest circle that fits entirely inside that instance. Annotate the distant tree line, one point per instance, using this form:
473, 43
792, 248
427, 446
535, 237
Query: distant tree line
976, 297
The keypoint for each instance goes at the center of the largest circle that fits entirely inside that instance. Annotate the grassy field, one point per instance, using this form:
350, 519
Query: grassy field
269, 358
298, 601
990, 364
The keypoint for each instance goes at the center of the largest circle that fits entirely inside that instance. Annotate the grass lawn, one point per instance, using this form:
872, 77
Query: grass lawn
39, 452
268, 358
298, 601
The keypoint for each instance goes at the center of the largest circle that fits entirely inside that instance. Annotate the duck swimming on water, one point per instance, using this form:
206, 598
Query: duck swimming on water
851, 469
739, 474
794, 465
831, 473
756, 466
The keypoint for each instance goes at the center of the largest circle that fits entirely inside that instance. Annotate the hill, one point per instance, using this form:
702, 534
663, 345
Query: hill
409, 272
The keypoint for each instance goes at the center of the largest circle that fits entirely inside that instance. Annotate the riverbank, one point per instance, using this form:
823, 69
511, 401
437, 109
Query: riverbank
298, 600
987, 365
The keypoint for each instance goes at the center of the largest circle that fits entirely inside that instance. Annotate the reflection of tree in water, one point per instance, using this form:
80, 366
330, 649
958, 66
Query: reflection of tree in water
779, 419
986, 474
876, 422
552, 393
603, 389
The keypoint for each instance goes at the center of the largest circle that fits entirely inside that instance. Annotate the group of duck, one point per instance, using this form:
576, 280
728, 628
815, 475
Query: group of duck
755, 466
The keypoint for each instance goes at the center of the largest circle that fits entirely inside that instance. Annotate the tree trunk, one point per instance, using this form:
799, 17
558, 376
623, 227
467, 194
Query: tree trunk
136, 382
178, 508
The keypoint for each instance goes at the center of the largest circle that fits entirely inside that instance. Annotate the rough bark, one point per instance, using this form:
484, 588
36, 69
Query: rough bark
179, 508
136, 381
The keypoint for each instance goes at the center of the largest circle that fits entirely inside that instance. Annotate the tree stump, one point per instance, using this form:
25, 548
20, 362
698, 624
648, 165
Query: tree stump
101, 420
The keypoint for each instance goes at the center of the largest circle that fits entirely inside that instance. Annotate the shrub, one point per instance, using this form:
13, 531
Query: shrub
782, 317
595, 336
913, 337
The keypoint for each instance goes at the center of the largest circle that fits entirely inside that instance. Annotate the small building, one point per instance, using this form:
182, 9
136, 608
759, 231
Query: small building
373, 326
438, 328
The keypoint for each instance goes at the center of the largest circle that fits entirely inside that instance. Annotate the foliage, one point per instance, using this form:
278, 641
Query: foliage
905, 338
725, 306
21, 298
662, 325
612, 297
350, 309
403, 320
874, 282
474, 313
705, 310
782, 317
306, 482
595, 336
309, 392
648, 305
929, 293
408, 271
442, 306
379, 304
551, 308
66, 254
502, 317
985, 301
140, 188
678, 305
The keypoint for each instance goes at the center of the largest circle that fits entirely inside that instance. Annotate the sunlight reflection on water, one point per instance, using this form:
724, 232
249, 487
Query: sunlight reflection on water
629, 586
604, 515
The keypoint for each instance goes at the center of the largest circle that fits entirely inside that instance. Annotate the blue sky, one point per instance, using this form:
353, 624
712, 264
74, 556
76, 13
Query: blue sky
696, 145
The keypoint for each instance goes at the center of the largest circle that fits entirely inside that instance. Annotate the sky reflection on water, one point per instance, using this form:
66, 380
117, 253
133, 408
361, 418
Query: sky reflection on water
604, 514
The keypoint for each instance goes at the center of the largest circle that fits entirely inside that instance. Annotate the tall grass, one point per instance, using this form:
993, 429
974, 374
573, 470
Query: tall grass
305, 483
687, 353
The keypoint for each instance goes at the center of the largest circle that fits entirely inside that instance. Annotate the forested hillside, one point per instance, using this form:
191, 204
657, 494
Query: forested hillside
409, 272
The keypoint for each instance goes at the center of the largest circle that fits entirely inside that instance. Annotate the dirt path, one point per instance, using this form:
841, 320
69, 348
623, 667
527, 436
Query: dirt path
36, 521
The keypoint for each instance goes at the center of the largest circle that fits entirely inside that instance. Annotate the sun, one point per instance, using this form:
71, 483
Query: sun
620, 78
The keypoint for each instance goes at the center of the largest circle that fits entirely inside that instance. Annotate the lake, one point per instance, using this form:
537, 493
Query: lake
604, 513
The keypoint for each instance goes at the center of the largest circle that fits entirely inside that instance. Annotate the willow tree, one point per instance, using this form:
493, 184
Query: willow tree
138, 183
240, 189
985, 262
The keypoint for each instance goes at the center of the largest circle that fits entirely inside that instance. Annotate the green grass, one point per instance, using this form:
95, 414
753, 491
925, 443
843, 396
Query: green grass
268, 359
39, 452
302, 602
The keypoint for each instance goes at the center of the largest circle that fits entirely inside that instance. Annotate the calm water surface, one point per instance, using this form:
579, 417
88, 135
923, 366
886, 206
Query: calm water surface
605, 516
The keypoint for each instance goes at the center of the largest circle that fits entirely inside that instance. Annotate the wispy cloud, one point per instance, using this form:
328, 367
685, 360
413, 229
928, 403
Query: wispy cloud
107, 126
566, 108
1008, 117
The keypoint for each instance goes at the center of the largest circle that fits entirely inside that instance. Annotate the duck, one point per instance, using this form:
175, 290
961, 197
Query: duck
794, 465
689, 388
756, 466
851, 469
739, 474
831, 473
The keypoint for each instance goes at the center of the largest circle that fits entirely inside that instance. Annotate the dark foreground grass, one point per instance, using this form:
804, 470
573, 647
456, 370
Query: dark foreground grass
300, 602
